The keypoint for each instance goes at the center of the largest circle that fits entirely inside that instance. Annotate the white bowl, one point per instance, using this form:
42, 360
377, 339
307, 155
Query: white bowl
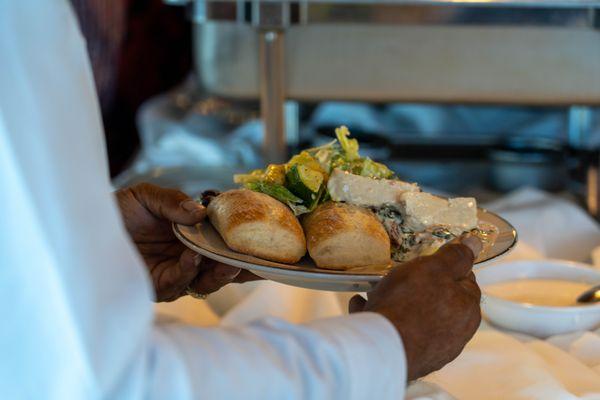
540, 321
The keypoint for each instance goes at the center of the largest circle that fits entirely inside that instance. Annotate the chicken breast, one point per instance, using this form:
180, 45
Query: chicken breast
423, 211
367, 192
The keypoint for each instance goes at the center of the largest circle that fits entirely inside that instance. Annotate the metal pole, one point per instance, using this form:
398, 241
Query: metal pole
272, 95
592, 190
580, 126
580, 130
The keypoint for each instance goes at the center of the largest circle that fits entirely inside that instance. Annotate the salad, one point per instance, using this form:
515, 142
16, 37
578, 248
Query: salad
301, 183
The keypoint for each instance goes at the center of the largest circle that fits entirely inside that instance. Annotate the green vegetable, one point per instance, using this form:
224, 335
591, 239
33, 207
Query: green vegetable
298, 209
317, 198
282, 194
294, 183
374, 169
304, 182
277, 191
350, 146
301, 182
338, 161
306, 160
325, 153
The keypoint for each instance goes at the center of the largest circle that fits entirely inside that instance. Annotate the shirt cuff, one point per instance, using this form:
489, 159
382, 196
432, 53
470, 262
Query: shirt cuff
373, 351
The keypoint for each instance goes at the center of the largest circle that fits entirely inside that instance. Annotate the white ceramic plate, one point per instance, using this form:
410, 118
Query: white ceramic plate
204, 239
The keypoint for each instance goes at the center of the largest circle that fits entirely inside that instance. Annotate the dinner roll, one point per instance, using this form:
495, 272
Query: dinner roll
256, 224
343, 236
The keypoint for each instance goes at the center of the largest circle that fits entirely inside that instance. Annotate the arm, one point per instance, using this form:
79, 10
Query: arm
75, 297
424, 299
343, 358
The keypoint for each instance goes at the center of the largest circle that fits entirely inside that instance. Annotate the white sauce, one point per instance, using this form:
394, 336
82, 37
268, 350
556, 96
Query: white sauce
540, 292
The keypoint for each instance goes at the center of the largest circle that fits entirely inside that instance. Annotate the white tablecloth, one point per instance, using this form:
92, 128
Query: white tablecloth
494, 365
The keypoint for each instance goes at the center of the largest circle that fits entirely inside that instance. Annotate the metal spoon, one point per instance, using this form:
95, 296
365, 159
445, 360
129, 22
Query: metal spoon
592, 295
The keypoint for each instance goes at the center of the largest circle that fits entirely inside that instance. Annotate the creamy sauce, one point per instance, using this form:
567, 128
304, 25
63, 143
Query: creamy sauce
539, 292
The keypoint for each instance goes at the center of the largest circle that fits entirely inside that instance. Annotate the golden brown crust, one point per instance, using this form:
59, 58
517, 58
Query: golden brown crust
343, 236
257, 224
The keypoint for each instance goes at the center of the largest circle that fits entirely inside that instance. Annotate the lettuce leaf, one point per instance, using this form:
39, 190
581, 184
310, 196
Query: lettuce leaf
374, 169
342, 153
279, 192
350, 146
298, 209
326, 153
282, 194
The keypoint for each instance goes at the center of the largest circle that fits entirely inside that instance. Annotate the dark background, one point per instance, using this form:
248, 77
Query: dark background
138, 48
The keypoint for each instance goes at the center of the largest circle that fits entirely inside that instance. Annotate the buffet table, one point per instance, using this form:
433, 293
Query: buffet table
495, 364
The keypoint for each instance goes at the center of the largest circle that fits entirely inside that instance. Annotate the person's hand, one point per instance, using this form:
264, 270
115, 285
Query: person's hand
433, 302
148, 212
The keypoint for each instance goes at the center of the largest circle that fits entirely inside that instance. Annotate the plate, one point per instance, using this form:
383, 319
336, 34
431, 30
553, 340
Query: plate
204, 239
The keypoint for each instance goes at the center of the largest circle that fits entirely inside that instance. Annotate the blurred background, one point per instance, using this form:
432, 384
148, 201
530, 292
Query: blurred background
470, 98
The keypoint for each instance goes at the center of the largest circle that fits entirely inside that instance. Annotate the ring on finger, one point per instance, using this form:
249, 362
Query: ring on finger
194, 294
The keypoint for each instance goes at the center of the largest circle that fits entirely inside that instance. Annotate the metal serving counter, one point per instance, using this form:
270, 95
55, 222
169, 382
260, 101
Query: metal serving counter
525, 52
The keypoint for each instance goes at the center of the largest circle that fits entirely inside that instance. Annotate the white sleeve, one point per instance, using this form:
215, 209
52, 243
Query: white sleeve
353, 357
75, 299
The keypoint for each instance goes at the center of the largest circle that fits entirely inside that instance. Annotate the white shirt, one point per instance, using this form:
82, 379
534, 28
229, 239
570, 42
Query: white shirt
75, 298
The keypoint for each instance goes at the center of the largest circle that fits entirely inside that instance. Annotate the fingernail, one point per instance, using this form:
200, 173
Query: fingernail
193, 207
197, 259
226, 272
473, 243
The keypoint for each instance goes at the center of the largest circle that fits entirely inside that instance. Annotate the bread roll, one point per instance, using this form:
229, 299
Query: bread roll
343, 236
257, 224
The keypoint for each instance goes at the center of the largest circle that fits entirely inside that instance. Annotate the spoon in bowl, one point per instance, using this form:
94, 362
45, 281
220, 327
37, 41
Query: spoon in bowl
592, 295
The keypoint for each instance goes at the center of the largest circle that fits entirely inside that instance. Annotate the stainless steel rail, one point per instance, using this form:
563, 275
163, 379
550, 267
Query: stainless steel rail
272, 95
489, 3
285, 12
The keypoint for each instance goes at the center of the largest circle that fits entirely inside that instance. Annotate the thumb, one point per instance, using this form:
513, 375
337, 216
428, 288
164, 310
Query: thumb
357, 304
169, 204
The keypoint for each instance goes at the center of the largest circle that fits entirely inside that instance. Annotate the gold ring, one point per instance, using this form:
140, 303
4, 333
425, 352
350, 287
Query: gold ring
195, 295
